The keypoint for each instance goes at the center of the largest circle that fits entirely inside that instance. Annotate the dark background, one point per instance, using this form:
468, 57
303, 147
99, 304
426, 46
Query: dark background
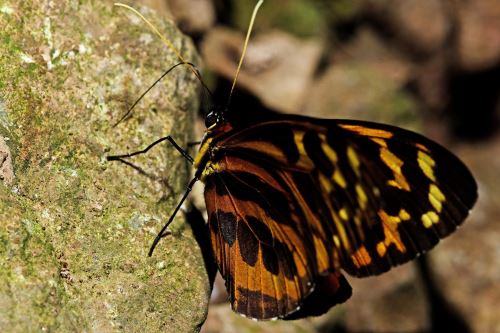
428, 65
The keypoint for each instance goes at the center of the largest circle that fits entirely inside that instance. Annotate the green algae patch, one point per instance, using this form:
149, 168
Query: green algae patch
300, 17
75, 229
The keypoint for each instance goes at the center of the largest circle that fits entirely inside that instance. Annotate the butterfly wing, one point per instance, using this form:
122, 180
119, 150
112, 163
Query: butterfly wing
337, 194
418, 191
268, 256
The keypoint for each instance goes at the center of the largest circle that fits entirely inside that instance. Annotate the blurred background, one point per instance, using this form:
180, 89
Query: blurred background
432, 66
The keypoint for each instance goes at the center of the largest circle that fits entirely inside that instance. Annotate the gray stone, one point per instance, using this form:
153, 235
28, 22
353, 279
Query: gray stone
75, 229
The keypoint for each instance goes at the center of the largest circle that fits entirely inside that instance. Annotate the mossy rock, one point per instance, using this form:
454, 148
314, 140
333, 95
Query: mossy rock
75, 229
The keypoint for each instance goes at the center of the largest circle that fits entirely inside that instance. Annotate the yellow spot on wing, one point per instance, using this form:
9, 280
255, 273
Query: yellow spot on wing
304, 160
403, 215
344, 241
333, 157
339, 178
436, 197
298, 137
325, 183
429, 218
343, 214
435, 203
353, 159
329, 152
362, 198
343, 236
381, 249
426, 164
336, 240
388, 219
395, 164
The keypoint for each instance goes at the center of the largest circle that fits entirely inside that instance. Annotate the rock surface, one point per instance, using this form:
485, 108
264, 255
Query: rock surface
75, 229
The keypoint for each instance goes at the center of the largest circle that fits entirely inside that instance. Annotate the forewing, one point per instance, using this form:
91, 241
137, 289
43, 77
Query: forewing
417, 191
380, 194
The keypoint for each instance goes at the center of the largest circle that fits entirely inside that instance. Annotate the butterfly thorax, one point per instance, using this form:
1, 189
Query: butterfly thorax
204, 161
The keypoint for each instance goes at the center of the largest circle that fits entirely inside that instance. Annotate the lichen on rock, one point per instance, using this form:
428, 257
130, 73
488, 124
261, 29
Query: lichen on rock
75, 229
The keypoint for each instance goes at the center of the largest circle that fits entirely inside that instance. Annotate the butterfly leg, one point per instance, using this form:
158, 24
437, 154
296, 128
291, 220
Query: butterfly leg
193, 143
164, 233
167, 138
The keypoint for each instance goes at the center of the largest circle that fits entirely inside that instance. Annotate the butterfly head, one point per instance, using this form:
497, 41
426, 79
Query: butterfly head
214, 118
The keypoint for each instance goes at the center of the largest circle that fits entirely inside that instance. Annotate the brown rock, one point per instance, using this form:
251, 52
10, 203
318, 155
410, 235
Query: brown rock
422, 22
362, 91
365, 81
468, 266
6, 167
219, 291
193, 16
392, 302
160, 6
369, 47
432, 82
479, 39
419, 26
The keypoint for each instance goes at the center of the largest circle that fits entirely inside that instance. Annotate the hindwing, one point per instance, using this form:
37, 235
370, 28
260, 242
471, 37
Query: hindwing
268, 256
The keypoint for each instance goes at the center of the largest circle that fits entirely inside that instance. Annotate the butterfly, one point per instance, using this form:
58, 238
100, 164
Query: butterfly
295, 201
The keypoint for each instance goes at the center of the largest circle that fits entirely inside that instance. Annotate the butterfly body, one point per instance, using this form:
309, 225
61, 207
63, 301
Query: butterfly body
294, 200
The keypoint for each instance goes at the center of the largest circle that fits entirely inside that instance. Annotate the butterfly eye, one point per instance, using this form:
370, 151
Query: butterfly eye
211, 118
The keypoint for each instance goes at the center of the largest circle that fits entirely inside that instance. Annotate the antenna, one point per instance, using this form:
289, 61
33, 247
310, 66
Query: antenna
159, 34
170, 46
156, 82
250, 27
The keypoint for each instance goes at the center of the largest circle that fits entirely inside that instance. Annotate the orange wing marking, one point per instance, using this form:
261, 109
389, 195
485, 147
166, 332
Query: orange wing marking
365, 131
390, 225
395, 164
361, 257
